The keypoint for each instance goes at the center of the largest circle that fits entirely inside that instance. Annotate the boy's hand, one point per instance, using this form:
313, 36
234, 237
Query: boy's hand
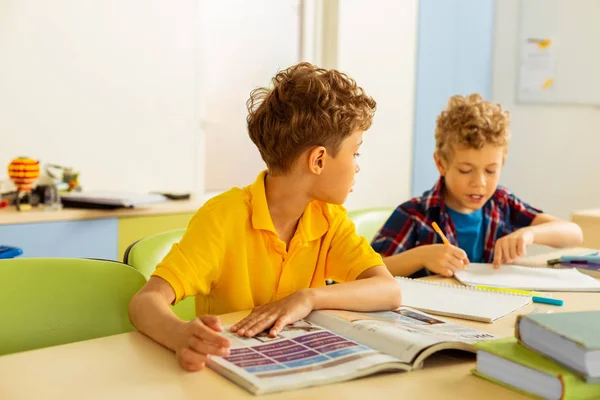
198, 340
444, 259
512, 246
277, 314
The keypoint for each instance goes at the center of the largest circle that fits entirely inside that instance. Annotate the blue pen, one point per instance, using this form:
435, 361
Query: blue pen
546, 300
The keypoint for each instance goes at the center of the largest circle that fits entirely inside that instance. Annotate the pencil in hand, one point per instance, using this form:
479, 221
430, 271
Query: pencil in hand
444, 238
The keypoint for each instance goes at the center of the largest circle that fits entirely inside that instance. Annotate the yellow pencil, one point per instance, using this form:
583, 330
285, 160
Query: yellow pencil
439, 231
444, 238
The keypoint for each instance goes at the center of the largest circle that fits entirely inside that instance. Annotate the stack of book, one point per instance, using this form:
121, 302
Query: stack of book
554, 356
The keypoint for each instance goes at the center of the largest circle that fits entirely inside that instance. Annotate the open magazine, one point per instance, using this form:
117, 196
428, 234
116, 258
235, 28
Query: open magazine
334, 346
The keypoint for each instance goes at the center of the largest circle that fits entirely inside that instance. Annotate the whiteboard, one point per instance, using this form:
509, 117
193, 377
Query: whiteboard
574, 31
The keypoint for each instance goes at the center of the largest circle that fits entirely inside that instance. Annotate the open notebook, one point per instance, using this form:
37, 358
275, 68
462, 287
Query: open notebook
459, 301
527, 278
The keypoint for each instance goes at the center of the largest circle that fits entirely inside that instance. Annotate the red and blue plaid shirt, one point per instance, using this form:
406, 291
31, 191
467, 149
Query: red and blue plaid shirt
409, 226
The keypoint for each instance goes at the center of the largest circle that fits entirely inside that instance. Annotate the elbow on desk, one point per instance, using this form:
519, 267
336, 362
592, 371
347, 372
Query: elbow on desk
395, 296
575, 236
578, 235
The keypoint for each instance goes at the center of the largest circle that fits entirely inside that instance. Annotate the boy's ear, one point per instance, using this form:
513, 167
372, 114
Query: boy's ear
440, 164
316, 160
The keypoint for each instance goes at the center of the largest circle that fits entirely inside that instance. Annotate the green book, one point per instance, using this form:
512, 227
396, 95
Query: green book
571, 339
506, 362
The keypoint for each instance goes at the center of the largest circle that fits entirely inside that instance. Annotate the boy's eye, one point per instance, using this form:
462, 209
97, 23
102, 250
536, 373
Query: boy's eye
464, 171
356, 155
490, 172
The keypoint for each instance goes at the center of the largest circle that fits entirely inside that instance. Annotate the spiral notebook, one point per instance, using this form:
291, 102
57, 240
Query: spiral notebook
527, 278
459, 301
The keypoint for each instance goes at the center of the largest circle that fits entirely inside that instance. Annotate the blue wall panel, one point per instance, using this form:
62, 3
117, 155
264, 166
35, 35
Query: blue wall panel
85, 238
454, 56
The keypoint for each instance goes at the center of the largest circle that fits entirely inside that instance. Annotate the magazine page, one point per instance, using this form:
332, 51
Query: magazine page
304, 354
403, 333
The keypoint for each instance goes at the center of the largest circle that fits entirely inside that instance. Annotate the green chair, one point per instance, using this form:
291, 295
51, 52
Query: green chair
146, 253
51, 301
370, 220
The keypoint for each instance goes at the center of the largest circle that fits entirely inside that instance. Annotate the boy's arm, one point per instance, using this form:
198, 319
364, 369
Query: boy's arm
554, 232
151, 314
530, 225
191, 267
374, 290
545, 230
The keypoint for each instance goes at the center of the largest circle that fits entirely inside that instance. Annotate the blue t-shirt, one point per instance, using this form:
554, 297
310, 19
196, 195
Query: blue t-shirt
470, 232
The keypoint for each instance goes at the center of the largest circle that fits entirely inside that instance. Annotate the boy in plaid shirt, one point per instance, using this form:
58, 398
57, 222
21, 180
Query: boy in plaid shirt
484, 222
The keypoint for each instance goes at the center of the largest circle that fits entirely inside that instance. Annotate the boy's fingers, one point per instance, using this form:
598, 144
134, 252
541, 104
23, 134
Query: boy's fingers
203, 347
507, 248
514, 250
205, 333
522, 248
247, 318
261, 325
458, 253
454, 264
248, 323
191, 360
497, 256
279, 325
212, 322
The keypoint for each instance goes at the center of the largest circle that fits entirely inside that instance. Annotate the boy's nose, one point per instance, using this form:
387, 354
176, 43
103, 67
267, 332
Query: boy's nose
478, 181
356, 168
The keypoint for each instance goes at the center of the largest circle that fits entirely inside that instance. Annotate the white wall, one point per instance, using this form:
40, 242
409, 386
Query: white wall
242, 45
553, 157
377, 47
146, 94
105, 86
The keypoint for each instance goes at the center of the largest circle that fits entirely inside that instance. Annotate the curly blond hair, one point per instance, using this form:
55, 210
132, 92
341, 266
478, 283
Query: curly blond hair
307, 106
470, 122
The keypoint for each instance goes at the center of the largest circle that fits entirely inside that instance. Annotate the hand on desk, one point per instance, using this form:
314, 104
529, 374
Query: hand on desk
513, 246
199, 340
277, 315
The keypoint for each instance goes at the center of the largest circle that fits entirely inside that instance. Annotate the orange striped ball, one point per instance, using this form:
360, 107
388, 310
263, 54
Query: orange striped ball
24, 172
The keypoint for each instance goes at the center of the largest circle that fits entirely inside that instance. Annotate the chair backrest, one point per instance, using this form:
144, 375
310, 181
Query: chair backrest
369, 221
146, 253
51, 301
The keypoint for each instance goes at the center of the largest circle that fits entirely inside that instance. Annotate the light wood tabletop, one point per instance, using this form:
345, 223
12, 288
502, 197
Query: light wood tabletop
133, 366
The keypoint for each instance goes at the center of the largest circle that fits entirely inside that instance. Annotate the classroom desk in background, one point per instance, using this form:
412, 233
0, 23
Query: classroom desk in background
589, 221
103, 234
133, 366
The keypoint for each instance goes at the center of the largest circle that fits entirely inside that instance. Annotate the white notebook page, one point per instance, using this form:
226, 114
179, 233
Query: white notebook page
527, 278
459, 301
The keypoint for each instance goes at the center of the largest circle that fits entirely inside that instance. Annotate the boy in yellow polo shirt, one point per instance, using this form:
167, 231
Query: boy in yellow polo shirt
271, 245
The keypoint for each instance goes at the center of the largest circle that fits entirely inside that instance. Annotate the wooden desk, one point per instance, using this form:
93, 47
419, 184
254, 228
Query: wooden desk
131, 366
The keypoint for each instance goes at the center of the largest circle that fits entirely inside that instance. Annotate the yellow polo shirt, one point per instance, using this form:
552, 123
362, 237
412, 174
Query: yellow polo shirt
232, 259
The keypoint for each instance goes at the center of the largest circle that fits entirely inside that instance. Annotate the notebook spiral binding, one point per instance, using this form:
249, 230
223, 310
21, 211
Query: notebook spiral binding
464, 287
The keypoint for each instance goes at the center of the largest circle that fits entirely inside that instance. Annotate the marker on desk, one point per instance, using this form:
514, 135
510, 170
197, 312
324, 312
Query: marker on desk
444, 238
546, 300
